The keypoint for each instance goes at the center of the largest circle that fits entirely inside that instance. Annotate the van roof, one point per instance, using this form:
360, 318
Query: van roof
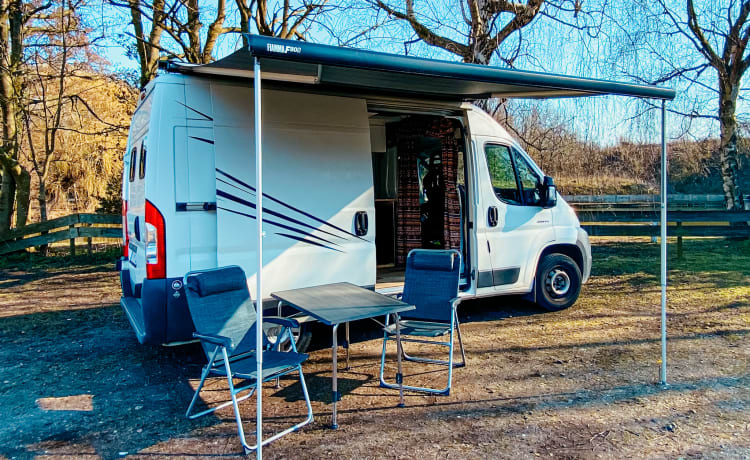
354, 71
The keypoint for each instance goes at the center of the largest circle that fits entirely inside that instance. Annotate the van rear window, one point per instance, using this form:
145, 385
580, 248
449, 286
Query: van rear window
142, 166
133, 157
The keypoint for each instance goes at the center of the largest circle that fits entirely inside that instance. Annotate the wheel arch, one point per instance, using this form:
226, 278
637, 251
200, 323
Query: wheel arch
570, 250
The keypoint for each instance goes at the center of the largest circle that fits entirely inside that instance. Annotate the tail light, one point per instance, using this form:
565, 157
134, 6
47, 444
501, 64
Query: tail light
125, 236
156, 243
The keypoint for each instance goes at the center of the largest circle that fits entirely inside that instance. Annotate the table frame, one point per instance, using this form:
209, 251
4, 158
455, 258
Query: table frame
335, 396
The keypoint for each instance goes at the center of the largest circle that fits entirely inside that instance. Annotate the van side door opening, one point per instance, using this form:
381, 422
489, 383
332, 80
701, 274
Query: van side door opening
419, 179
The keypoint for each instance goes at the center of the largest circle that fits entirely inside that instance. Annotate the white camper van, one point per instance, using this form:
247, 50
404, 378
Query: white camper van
352, 182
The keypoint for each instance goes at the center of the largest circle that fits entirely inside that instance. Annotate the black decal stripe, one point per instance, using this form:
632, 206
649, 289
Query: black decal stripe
203, 139
280, 225
273, 213
205, 117
308, 242
234, 186
306, 214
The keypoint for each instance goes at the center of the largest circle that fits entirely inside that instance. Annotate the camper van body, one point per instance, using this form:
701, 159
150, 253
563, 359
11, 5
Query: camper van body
189, 198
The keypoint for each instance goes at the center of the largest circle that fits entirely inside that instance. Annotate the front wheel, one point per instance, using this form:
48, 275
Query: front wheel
558, 282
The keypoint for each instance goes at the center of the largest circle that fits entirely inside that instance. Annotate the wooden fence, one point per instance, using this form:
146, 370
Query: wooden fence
70, 227
639, 215
600, 215
674, 201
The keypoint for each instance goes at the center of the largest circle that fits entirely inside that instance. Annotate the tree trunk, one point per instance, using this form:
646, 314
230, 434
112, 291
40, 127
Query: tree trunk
11, 53
728, 147
23, 194
42, 199
7, 198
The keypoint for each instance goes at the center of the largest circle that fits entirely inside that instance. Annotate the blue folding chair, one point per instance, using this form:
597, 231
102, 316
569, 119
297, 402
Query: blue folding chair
431, 285
225, 322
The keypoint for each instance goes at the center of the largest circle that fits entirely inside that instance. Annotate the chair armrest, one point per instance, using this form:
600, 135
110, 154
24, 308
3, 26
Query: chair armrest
455, 301
281, 321
219, 340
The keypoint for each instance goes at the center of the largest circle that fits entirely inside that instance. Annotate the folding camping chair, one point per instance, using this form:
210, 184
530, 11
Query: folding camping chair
431, 285
225, 322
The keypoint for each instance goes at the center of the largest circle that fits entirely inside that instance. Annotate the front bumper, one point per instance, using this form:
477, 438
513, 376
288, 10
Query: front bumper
582, 241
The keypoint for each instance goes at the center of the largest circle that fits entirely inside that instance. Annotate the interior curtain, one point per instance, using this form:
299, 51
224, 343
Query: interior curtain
408, 225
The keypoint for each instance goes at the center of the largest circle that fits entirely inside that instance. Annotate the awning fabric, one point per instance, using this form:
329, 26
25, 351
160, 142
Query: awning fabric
348, 70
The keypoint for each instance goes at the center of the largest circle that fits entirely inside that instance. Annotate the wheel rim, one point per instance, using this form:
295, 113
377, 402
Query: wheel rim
557, 282
273, 331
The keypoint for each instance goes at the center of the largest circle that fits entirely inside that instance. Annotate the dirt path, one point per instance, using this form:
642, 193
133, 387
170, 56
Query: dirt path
573, 384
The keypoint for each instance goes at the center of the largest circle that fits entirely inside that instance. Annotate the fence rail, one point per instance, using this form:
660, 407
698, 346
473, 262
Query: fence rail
63, 228
643, 201
600, 215
612, 216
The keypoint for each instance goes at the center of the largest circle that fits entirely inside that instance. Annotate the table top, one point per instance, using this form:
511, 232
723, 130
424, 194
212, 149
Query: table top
340, 302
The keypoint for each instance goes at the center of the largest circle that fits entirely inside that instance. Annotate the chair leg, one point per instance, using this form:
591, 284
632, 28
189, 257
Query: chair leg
232, 392
383, 383
443, 391
247, 448
205, 373
460, 345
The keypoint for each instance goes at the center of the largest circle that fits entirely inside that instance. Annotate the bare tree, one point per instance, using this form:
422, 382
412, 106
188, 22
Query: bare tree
15, 186
290, 20
475, 30
703, 50
182, 22
487, 24
177, 28
148, 44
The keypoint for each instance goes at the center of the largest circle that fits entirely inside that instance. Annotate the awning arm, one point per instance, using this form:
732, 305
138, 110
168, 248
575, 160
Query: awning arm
663, 256
259, 273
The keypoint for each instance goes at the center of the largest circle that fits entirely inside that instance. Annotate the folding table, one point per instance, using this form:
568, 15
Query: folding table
333, 304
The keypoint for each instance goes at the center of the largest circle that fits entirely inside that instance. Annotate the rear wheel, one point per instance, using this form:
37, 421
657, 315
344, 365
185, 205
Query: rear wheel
302, 336
558, 282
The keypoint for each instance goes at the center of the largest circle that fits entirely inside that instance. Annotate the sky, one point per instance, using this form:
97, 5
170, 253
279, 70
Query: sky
546, 45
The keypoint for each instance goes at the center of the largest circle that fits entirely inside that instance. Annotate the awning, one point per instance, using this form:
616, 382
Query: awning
350, 71
354, 71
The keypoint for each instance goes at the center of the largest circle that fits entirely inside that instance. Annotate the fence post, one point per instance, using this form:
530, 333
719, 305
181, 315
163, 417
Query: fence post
72, 240
88, 243
679, 241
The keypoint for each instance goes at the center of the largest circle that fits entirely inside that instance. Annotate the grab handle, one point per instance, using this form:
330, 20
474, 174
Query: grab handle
360, 223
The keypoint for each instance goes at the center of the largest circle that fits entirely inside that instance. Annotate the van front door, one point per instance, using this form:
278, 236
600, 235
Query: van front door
517, 225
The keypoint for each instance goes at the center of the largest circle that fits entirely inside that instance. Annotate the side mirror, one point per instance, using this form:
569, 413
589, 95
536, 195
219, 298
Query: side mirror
549, 193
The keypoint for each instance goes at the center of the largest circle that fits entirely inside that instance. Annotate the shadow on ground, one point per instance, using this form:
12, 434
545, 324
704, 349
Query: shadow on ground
80, 376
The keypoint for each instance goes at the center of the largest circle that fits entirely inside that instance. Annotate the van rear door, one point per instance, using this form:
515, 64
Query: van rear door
195, 195
136, 222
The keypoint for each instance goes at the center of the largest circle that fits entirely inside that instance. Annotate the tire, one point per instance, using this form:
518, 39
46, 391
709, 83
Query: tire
558, 282
302, 336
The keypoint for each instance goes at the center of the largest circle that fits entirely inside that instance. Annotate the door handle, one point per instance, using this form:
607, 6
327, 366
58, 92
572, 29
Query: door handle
360, 223
492, 216
137, 228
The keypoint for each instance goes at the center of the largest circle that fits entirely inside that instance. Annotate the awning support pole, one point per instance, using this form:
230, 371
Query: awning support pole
663, 256
259, 273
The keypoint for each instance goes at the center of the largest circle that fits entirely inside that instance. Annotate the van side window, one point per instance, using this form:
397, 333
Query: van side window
502, 175
142, 168
529, 181
133, 158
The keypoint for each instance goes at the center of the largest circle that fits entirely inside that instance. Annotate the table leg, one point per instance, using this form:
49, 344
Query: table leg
347, 346
335, 388
278, 337
399, 375
278, 313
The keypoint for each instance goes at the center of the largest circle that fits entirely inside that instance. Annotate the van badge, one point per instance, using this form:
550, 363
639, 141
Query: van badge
283, 49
